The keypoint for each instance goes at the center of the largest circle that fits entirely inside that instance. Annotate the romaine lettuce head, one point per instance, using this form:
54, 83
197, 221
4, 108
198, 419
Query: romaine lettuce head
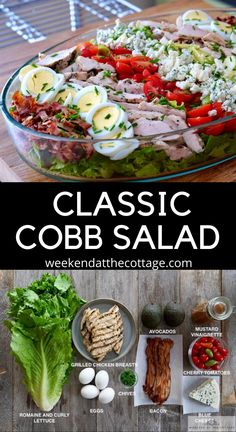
40, 317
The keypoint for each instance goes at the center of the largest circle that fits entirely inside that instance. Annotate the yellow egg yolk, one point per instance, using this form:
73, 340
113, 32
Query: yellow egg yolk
88, 100
106, 117
40, 82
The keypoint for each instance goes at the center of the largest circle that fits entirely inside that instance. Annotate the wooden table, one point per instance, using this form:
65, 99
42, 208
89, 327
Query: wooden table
12, 168
134, 289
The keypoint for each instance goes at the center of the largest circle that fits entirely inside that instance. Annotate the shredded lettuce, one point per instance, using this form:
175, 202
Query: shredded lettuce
146, 162
39, 322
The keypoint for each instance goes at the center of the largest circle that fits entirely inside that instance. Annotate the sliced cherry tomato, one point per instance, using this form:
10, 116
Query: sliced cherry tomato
200, 111
139, 65
197, 121
218, 107
121, 50
230, 126
170, 85
186, 97
146, 73
124, 69
151, 91
214, 130
138, 77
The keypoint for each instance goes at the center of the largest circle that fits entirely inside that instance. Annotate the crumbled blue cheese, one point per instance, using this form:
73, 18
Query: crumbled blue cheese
207, 393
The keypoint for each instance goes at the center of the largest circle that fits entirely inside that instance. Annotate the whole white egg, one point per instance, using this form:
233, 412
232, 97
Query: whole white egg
89, 392
101, 380
86, 375
107, 395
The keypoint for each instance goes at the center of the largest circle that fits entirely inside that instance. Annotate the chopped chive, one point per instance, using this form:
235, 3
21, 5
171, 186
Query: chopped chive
107, 117
44, 86
34, 65
12, 108
96, 91
54, 55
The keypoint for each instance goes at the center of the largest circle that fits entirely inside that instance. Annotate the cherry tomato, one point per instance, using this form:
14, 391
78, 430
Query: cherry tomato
218, 357
215, 130
124, 69
137, 77
214, 349
196, 360
204, 358
146, 73
218, 107
210, 339
202, 351
170, 85
87, 49
216, 367
201, 365
197, 121
197, 346
121, 50
194, 352
224, 352
217, 344
151, 91
204, 340
186, 97
200, 111
230, 126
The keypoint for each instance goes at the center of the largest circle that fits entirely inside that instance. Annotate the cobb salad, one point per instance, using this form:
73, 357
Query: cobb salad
142, 97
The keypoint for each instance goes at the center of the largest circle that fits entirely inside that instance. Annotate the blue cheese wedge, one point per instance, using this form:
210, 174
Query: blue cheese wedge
207, 393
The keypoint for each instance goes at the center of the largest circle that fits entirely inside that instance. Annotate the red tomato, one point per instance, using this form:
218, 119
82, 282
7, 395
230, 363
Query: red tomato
216, 367
210, 339
215, 130
214, 349
204, 358
170, 85
137, 77
201, 351
197, 121
204, 339
200, 111
87, 49
170, 95
139, 65
196, 360
124, 69
218, 107
194, 352
146, 73
217, 344
121, 50
201, 365
230, 126
186, 97
224, 352
151, 91
218, 357
197, 346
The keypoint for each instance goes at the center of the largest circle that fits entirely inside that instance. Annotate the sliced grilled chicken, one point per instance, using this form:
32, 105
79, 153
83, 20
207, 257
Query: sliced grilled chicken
59, 60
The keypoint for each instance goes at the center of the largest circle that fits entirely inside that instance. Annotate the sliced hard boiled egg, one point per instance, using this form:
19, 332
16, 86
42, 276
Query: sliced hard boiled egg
67, 94
122, 153
233, 37
196, 17
107, 120
90, 97
110, 148
222, 29
42, 83
25, 70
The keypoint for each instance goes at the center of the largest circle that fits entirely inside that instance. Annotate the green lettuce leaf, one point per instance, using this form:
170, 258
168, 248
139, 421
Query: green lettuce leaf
40, 318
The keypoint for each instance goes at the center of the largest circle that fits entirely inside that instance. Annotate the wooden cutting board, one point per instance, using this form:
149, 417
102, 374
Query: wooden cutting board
12, 168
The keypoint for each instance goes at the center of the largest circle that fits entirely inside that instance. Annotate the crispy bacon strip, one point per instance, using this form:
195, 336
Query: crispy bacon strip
158, 378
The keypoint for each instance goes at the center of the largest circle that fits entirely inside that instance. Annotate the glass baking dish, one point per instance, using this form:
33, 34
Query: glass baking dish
43, 152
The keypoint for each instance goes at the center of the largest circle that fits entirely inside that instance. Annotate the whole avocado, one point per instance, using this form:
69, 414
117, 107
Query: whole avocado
151, 315
174, 314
